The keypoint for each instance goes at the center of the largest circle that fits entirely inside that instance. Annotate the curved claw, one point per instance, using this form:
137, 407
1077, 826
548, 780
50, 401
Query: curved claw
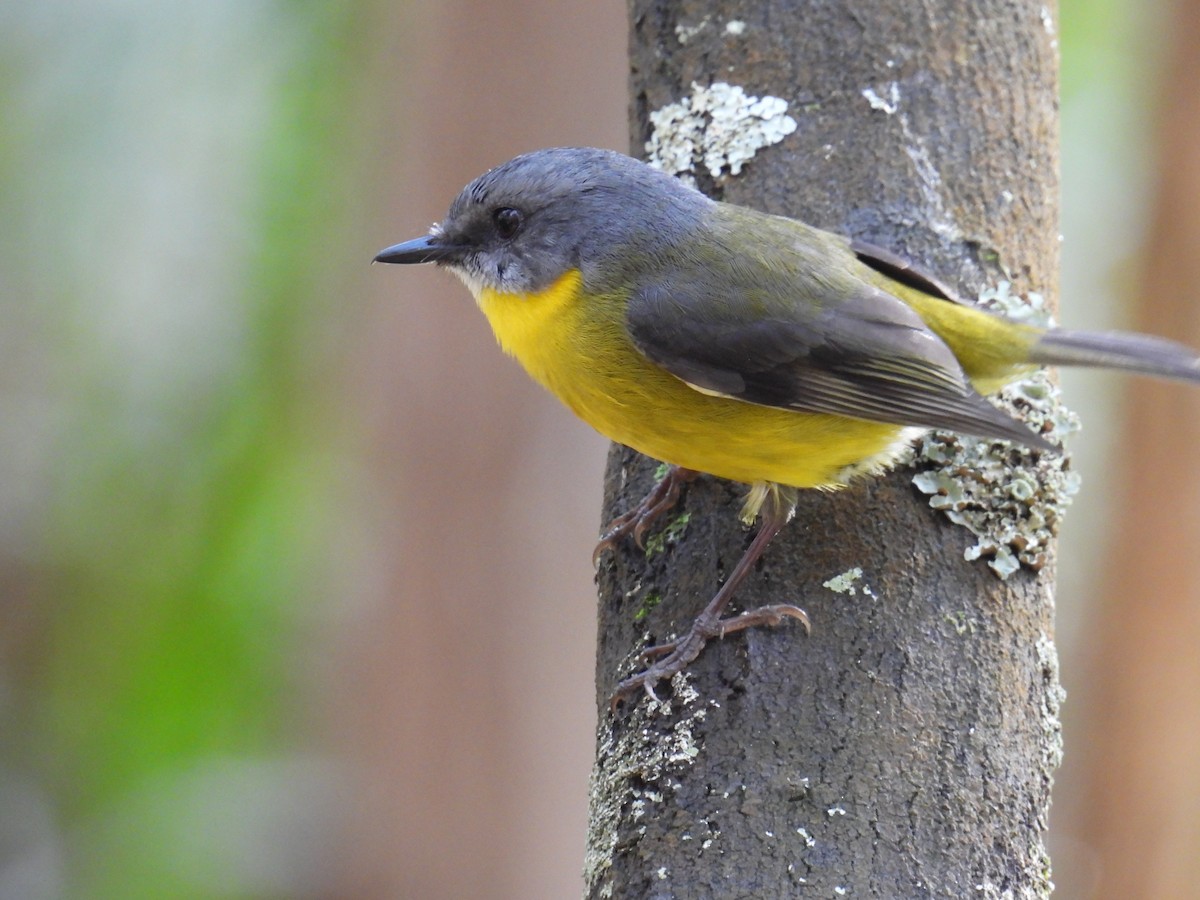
644, 522
766, 615
637, 521
676, 655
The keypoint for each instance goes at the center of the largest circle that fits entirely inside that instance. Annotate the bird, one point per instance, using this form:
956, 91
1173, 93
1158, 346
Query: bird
727, 341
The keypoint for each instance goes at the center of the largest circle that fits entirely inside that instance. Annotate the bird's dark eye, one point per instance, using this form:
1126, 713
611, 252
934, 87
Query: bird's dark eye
507, 221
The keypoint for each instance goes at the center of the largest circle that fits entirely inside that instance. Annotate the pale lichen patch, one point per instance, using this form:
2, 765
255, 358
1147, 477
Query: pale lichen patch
1010, 498
684, 33
885, 104
719, 127
636, 766
845, 583
1053, 697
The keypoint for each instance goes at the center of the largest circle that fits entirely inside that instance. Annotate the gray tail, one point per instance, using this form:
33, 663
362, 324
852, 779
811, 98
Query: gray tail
1118, 350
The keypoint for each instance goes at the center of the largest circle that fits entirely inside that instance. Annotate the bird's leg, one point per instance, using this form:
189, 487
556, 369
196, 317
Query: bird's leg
676, 655
660, 499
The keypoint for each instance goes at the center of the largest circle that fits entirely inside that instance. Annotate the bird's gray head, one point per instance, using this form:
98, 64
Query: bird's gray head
519, 227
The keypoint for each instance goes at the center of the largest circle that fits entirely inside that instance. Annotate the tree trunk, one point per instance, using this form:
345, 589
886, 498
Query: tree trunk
905, 748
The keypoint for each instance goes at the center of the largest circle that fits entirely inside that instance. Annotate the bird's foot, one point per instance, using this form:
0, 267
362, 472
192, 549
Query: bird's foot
661, 498
675, 656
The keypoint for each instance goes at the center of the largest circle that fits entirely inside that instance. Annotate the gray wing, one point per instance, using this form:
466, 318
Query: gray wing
901, 269
867, 355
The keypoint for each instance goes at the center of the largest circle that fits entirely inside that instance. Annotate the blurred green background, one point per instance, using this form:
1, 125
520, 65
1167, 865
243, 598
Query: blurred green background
261, 506
182, 197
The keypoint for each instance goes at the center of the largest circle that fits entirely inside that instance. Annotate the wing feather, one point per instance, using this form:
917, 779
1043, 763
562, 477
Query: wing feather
855, 350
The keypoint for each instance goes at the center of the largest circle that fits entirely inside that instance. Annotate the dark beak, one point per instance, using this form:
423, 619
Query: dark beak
421, 250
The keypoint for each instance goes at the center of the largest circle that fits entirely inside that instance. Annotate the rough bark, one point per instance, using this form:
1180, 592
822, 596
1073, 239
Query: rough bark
906, 748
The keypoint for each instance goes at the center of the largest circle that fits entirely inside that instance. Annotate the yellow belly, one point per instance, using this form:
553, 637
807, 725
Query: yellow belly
585, 357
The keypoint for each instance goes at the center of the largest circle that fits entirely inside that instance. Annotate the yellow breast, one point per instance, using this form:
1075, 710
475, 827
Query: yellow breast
578, 348
540, 330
